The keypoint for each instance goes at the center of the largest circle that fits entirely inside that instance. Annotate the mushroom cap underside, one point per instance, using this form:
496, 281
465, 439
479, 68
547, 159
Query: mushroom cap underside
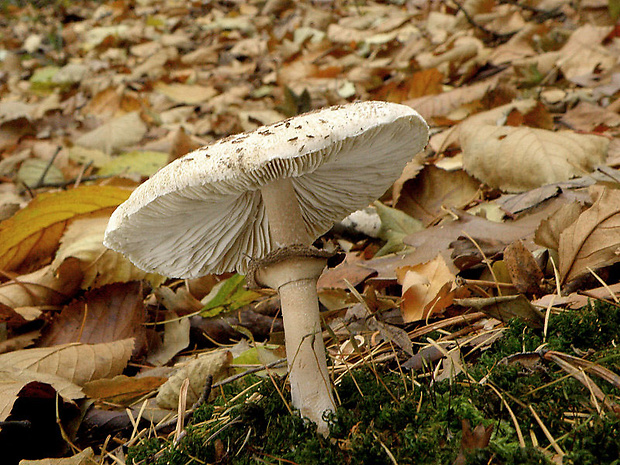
203, 213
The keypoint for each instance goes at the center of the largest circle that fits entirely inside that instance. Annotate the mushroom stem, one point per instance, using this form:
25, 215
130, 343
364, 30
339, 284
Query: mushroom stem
295, 280
286, 224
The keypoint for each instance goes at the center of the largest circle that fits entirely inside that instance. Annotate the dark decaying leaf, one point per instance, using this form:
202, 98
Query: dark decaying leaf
523, 269
505, 308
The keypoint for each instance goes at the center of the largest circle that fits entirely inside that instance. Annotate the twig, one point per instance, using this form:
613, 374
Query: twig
232, 378
544, 14
494, 35
39, 183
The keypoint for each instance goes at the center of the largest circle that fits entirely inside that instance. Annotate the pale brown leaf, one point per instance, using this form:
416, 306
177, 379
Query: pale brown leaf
119, 132
12, 380
593, 240
518, 159
215, 363
77, 363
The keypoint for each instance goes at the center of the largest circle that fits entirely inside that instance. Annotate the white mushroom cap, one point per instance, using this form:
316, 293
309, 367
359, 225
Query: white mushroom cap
203, 213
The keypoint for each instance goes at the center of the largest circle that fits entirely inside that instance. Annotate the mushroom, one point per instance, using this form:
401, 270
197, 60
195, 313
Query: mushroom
255, 202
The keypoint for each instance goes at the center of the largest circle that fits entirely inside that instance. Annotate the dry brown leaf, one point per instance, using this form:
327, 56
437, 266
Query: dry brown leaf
424, 287
121, 132
593, 240
548, 233
523, 269
442, 104
43, 287
83, 239
215, 363
186, 93
434, 190
106, 314
518, 159
176, 338
472, 440
12, 381
78, 363
582, 53
122, 389
587, 117
504, 308
430, 240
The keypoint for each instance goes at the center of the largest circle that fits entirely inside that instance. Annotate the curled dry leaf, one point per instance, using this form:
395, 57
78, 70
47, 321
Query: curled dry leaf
77, 363
593, 240
518, 159
43, 287
426, 288
548, 233
523, 269
215, 363
83, 239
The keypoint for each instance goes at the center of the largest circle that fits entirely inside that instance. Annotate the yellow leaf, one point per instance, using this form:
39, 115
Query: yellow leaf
32, 234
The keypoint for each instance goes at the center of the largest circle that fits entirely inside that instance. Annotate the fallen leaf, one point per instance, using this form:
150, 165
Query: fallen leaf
77, 363
85, 457
83, 239
107, 314
116, 134
523, 269
186, 93
32, 234
13, 380
123, 390
395, 226
550, 229
45, 286
583, 52
215, 363
518, 159
176, 338
36, 172
593, 240
228, 295
504, 308
425, 287
433, 191
478, 438
144, 163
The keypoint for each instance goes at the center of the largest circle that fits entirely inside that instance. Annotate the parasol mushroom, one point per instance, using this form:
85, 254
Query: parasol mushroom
255, 202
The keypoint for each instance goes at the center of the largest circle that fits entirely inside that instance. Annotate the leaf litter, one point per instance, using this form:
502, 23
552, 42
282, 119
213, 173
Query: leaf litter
506, 221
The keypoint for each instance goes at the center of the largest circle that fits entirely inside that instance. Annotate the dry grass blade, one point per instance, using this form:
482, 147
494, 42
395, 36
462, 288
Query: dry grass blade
548, 434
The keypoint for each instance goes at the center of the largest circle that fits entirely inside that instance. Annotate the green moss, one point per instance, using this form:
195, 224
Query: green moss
380, 411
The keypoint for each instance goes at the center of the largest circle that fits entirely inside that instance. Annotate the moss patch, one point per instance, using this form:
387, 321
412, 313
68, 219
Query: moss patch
384, 417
